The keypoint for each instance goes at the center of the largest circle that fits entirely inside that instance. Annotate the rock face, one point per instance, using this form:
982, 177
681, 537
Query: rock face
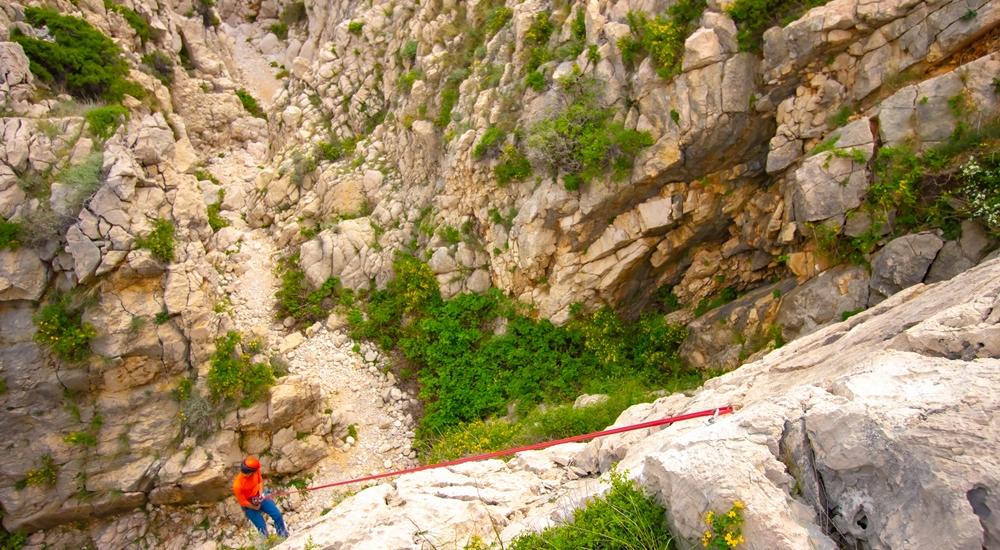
364, 145
845, 437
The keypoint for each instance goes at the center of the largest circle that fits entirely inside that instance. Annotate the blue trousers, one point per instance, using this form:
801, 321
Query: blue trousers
256, 517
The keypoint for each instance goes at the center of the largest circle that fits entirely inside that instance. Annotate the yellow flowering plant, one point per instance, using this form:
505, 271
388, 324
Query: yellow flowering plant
723, 530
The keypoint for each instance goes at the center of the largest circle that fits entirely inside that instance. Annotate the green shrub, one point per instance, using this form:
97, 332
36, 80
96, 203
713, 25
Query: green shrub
579, 25
10, 232
215, 220
582, 140
496, 19
43, 476
753, 17
159, 241
535, 80
12, 541
250, 104
490, 142
134, 20
449, 96
407, 79
409, 51
540, 30
294, 13
662, 38
295, 299
233, 375
61, 329
354, 27
513, 165
845, 315
279, 29
468, 372
80, 58
161, 65
332, 150
103, 121
623, 519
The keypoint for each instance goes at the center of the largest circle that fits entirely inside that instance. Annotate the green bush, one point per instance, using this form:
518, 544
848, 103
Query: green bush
496, 19
201, 174
134, 20
10, 232
625, 518
468, 372
662, 38
535, 80
215, 220
103, 121
407, 79
161, 65
490, 142
540, 30
61, 329
250, 104
513, 165
582, 140
159, 241
233, 375
331, 150
43, 476
409, 50
294, 13
295, 299
280, 29
449, 97
354, 27
753, 17
12, 541
80, 58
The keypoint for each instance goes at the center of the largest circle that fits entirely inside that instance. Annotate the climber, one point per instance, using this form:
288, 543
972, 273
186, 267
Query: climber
248, 486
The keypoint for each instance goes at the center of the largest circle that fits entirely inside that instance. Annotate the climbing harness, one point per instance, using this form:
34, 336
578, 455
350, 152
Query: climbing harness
712, 413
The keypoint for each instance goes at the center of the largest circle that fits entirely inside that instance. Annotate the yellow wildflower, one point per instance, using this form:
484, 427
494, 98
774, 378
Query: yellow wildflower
709, 516
731, 514
706, 538
730, 540
738, 504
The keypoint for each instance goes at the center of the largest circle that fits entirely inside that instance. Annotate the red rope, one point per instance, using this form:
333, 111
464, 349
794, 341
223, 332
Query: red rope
514, 450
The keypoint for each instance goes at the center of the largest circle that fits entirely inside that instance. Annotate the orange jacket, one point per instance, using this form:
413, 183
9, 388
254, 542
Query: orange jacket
246, 487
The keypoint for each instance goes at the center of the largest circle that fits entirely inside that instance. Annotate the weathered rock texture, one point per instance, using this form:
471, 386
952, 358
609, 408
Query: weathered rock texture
855, 435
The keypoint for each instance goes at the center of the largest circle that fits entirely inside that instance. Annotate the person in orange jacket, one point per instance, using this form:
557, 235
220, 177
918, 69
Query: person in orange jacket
248, 486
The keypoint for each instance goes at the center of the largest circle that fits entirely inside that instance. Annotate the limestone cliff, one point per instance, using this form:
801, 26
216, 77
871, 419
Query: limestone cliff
781, 181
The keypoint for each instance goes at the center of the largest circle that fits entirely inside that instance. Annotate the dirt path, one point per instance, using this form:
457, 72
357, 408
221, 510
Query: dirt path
353, 383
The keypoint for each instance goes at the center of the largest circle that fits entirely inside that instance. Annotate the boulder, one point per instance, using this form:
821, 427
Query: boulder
23, 275
154, 140
823, 300
902, 263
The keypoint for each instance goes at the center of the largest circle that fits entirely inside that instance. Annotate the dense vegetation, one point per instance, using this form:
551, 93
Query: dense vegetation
583, 140
662, 37
234, 375
80, 58
60, 328
753, 17
103, 121
475, 354
10, 234
296, 300
910, 191
623, 519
